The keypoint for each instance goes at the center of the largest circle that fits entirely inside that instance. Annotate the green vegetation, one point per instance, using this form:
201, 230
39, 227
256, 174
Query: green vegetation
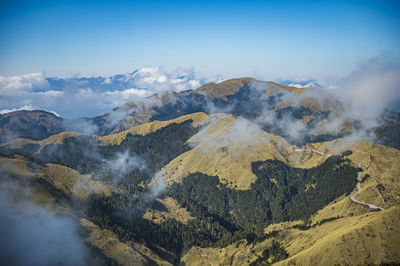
297, 193
223, 215
83, 153
271, 255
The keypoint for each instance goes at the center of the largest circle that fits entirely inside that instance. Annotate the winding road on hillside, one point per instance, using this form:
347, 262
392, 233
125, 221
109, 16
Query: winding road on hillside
358, 185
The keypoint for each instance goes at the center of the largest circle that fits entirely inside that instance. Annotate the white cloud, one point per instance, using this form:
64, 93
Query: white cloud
369, 90
107, 80
77, 97
299, 85
126, 94
25, 82
51, 93
25, 107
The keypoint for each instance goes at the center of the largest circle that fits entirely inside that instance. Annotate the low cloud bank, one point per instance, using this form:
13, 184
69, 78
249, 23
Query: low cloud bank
88, 97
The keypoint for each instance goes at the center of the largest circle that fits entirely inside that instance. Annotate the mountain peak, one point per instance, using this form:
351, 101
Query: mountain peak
231, 86
224, 88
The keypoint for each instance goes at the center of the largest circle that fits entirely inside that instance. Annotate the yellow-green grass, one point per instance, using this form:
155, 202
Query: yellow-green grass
146, 128
228, 146
231, 86
69, 180
17, 179
174, 211
15, 166
53, 139
234, 254
124, 253
372, 237
382, 165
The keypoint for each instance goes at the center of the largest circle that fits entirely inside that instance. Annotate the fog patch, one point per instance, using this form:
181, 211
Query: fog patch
83, 125
343, 144
156, 188
364, 95
33, 235
370, 89
244, 131
122, 163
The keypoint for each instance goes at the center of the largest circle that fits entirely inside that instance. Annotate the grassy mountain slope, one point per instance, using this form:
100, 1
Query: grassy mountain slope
228, 146
146, 128
368, 238
238, 190
349, 240
123, 253
381, 176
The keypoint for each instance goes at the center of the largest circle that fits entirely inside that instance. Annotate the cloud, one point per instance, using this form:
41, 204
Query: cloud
303, 85
122, 163
88, 97
128, 93
300, 83
25, 82
374, 86
365, 94
156, 188
51, 93
27, 107
34, 235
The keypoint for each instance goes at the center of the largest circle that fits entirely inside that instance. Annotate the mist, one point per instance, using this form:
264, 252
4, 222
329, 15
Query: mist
33, 234
372, 88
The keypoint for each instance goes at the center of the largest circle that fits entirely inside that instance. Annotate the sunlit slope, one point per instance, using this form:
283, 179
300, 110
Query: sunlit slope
53, 139
173, 211
70, 181
380, 179
368, 238
128, 254
113, 139
18, 177
22, 178
232, 86
146, 128
15, 166
227, 147
336, 240
381, 175
234, 254
63, 178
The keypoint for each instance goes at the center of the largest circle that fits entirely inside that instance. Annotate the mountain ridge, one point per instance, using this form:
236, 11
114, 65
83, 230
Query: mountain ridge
198, 178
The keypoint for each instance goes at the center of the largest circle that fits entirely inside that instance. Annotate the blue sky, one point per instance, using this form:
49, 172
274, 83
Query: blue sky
264, 39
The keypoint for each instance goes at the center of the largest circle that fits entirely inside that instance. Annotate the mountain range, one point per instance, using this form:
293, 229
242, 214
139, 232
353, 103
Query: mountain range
240, 172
